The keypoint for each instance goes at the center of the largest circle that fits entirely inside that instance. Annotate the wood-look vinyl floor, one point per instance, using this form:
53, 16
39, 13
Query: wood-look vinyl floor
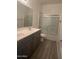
46, 50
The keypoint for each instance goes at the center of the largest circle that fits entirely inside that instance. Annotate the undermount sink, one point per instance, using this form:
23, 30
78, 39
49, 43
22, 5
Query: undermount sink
25, 31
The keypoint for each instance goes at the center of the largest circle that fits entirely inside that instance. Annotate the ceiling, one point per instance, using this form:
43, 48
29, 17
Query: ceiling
50, 1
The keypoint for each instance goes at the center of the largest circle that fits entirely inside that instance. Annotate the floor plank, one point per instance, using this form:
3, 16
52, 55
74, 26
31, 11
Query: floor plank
46, 50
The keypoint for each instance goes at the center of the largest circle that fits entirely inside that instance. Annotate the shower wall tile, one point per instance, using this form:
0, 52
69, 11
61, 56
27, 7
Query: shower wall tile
49, 25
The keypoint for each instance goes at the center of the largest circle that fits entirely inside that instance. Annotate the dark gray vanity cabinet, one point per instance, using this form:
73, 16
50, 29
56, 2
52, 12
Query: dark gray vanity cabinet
28, 45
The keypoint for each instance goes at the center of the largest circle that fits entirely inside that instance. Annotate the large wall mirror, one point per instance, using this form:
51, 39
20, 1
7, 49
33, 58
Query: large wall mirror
24, 15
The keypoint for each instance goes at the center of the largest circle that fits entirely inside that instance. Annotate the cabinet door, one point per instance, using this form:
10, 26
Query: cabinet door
24, 46
36, 40
19, 48
28, 46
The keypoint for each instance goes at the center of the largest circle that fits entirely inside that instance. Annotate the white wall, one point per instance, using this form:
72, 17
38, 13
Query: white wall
35, 5
36, 13
51, 9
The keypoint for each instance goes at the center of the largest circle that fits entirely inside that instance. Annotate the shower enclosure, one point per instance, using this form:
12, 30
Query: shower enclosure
49, 26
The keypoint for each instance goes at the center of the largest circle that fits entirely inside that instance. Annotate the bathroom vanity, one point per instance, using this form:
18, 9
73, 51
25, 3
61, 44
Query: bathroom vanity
28, 39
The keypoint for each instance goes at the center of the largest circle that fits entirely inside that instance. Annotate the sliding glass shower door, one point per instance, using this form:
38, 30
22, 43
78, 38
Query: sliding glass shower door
49, 25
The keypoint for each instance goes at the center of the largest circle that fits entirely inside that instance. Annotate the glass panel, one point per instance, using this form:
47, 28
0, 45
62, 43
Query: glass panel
49, 25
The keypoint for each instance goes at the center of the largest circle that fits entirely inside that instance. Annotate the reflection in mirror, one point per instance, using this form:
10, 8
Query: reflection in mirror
24, 16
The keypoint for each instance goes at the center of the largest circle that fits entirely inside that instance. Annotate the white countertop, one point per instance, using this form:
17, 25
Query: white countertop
25, 31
